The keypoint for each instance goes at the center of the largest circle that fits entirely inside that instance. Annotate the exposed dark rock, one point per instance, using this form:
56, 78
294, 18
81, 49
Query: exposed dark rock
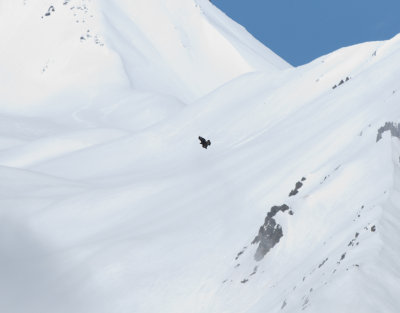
303, 179
275, 209
50, 10
343, 256
254, 271
342, 81
325, 178
394, 129
283, 305
373, 228
239, 254
244, 281
351, 243
323, 263
269, 234
295, 191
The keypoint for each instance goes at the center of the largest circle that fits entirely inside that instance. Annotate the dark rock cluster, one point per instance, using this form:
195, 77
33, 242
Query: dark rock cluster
295, 191
341, 82
393, 128
50, 10
269, 234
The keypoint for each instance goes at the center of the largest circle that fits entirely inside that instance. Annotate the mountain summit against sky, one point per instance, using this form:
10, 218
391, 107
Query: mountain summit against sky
109, 203
175, 47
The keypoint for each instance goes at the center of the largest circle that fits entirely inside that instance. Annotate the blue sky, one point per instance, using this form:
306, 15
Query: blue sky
302, 30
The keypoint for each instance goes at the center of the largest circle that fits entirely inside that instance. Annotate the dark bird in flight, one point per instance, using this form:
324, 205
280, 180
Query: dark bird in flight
204, 143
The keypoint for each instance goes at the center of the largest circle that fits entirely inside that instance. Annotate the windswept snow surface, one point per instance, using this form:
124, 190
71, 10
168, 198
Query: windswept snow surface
108, 202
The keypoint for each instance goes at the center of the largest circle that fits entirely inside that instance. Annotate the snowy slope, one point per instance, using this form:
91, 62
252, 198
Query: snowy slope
166, 46
109, 204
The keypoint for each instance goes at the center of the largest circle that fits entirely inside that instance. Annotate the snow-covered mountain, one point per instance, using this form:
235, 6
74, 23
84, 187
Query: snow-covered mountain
108, 203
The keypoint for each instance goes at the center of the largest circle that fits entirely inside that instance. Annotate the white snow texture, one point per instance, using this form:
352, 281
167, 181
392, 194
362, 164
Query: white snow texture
109, 204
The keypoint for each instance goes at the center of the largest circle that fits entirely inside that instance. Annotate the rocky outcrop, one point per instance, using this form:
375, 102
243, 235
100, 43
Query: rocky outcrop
391, 127
269, 234
295, 191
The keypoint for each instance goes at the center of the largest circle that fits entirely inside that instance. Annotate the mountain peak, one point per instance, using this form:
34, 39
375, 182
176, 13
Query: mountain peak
183, 49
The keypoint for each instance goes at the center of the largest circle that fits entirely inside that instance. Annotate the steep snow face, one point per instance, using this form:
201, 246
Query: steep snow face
108, 202
201, 46
177, 48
